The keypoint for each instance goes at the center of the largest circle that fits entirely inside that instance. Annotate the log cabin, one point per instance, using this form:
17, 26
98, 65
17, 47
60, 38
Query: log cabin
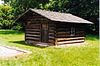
52, 28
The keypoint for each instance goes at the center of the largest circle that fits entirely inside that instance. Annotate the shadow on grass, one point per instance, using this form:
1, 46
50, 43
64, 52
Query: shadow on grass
10, 32
92, 37
23, 43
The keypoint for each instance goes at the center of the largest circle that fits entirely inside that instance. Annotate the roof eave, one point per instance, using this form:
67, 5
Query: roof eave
22, 14
74, 22
30, 9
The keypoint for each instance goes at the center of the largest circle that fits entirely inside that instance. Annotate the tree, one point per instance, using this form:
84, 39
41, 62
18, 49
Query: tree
21, 6
87, 9
6, 17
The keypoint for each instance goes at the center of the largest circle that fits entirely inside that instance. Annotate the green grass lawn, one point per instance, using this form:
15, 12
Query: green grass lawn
86, 55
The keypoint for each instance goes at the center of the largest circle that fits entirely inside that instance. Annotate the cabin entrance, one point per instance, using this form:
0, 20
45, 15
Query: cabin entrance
44, 33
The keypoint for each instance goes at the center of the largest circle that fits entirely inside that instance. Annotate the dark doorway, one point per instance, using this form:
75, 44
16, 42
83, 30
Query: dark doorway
44, 32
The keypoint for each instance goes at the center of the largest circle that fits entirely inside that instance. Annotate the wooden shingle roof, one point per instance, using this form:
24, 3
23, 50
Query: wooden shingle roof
57, 16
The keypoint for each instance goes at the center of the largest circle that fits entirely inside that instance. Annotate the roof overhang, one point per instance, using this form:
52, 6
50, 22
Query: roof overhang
56, 16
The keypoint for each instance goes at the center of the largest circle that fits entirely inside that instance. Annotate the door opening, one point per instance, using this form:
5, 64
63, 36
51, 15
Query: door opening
44, 33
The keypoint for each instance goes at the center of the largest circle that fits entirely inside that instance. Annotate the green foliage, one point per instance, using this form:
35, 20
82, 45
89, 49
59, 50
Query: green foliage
17, 27
56, 5
86, 9
21, 6
6, 17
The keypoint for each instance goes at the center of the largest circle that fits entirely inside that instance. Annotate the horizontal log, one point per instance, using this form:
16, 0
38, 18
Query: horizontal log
51, 28
79, 35
34, 24
60, 33
51, 37
65, 28
30, 35
52, 31
59, 39
63, 33
62, 36
32, 38
70, 36
36, 33
52, 34
73, 41
33, 30
35, 27
51, 41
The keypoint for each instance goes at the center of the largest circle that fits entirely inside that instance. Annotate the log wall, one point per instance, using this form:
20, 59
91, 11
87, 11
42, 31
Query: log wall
33, 28
33, 33
64, 36
73, 40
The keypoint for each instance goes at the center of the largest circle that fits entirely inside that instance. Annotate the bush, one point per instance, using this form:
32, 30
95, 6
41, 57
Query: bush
17, 27
6, 17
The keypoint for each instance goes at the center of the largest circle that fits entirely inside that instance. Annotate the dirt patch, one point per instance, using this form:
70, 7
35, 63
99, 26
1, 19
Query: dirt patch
6, 51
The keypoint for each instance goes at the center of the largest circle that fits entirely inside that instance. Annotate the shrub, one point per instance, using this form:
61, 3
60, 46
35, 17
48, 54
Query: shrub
6, 17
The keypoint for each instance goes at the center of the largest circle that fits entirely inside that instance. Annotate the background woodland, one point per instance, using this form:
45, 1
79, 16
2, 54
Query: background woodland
87, 9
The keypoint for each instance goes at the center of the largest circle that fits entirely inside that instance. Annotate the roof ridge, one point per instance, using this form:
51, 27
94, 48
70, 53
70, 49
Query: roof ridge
51, 11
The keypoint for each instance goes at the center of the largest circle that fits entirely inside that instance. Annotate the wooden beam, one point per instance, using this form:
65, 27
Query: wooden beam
70, 41
69, 38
